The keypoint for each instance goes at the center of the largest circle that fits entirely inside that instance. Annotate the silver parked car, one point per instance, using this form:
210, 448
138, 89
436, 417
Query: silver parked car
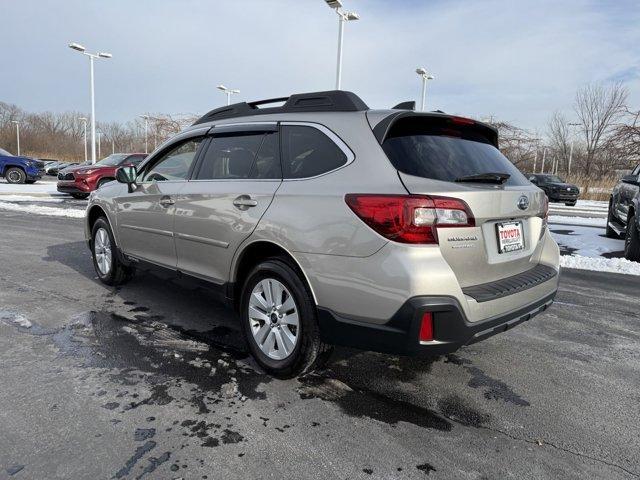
325, 222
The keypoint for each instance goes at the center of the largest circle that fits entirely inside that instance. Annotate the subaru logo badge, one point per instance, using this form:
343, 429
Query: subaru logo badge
523, 202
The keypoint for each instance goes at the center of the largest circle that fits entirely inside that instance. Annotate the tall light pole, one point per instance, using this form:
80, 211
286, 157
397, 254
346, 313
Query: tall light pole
422, 73
571, 148
17, 134
84, 120
92, 57
342, 18
146, 129
228, 91
99, 140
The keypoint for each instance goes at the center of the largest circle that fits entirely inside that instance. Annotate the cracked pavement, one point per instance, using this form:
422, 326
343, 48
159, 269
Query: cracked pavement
152, 380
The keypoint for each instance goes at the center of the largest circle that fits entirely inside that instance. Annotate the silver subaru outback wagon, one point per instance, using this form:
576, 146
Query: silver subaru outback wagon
328, 223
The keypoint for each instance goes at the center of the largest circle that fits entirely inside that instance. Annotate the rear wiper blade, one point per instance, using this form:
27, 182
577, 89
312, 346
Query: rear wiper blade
498, 178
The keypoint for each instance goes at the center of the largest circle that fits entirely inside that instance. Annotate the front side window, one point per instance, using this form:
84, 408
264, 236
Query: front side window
175, 164
307, 152
246, 155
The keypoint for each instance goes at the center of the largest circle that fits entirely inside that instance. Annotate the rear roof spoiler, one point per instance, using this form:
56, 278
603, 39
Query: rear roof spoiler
382, 129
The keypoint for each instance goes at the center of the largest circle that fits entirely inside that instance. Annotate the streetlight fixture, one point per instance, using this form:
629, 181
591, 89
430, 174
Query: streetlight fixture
146, 128
342, 18
92, 57
84, 120
571, 148
228, 91
422, 73
17, 134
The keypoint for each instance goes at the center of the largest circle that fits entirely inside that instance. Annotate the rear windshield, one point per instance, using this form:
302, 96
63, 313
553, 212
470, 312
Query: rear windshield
440, 150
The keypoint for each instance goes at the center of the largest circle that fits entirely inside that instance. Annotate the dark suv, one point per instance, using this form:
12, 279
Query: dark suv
556, 189
622, 217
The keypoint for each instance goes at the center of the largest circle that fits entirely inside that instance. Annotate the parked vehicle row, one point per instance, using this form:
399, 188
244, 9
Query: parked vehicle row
81, 180
53, 167
324, 222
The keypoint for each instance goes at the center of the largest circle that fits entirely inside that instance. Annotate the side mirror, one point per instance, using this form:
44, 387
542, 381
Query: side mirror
631, 180
128, 175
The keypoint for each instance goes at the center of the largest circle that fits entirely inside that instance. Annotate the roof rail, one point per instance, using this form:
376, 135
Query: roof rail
329, 101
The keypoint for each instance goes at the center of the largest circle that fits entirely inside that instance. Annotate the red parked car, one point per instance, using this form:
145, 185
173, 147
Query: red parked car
81, 180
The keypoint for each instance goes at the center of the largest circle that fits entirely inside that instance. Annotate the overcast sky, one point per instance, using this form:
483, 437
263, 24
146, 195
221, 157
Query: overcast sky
516, 60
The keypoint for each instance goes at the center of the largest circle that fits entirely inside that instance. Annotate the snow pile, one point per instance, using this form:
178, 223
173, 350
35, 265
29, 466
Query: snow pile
601, 264
15, 319
585, 221
42, 210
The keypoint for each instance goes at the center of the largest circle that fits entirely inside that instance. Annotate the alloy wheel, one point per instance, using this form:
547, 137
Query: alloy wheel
273, 318
102, 251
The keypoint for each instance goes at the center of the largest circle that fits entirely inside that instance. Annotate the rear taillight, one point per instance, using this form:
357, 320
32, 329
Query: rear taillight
410, 218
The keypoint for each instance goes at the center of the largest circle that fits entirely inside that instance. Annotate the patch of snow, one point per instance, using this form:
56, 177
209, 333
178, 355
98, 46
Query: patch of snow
586, 221
15, 318
27, 189
32, 198
600, 264
43, 210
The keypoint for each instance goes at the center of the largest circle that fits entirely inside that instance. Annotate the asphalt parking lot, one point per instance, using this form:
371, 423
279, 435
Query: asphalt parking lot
151, 380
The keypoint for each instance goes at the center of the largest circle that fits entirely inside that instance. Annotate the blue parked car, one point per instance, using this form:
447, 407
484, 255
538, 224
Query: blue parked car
20, 169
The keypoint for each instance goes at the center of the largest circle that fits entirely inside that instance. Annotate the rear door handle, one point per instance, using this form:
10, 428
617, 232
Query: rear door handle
167, 201
243, 202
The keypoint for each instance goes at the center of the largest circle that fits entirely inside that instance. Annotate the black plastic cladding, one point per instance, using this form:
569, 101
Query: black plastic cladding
329, 101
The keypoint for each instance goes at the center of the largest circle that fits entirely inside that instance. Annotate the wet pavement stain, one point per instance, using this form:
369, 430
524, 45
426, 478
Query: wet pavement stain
142, 434
367, 403
154, 463
13, 469
426, 468
454, 408
495, 389
140, 452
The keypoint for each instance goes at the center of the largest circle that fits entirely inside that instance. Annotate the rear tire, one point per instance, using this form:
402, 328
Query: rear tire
273, 295
15, 175
29, 182
80, 196
632, 241
570, 204
610, 232
104, 251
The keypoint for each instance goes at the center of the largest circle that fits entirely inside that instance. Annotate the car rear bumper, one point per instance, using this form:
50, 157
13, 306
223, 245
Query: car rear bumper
451, 328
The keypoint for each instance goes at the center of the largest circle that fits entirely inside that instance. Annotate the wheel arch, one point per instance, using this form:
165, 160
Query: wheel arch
249, 255
95, 212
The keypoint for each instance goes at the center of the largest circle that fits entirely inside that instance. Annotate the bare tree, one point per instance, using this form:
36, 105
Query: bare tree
560, 139
598, 108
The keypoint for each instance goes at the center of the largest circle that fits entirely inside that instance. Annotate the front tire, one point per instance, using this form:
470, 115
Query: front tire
570, 204
15, 175
106, 262
279, 320
80, 196
632, 241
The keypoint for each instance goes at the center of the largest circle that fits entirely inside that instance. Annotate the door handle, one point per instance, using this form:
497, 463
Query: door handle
243, 202
167, 201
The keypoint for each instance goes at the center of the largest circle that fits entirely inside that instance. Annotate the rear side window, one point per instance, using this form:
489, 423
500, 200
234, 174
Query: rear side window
432, 148
251, 155
307, 152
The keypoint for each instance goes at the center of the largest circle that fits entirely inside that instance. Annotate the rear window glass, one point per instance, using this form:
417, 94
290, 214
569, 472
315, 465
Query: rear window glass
308, 152
435, 149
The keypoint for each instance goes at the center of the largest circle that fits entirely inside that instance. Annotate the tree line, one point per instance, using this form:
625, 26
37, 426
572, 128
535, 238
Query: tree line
600, 138
61, 136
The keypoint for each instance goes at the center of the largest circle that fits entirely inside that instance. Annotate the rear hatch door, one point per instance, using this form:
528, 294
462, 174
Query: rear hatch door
458, 158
